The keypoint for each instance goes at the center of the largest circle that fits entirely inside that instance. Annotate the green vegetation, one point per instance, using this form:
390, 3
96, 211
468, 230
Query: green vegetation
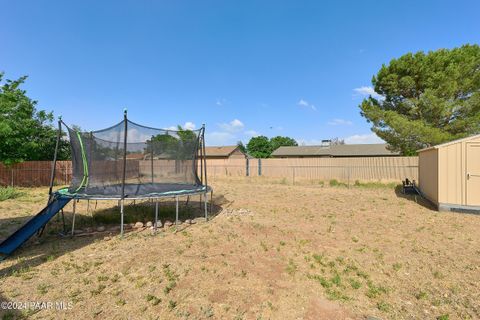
153, 299
374, 290
426, 98
25, 132
9, 193
172, 278
336, 183
397, 266
262, 147
291, 267
383, 306
375, 184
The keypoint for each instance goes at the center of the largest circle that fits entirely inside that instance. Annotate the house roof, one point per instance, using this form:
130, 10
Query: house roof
450, 143
220, 151
135, 156
341, 150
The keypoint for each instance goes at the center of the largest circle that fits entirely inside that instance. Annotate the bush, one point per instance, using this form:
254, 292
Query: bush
9, 193
336, 183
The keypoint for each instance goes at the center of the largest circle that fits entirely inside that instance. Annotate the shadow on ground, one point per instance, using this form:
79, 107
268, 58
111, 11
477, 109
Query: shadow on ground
7, 311
56, 241
415, 198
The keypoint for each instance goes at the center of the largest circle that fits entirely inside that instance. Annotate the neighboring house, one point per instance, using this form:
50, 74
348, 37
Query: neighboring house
224, 152
335, 151
136, 156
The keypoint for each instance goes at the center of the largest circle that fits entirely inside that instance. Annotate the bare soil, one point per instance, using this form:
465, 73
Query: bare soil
270, 251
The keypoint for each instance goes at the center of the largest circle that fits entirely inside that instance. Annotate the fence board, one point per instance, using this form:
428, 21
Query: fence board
37, 173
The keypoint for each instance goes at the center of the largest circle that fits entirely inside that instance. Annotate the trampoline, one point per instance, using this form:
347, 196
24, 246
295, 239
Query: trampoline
132, 161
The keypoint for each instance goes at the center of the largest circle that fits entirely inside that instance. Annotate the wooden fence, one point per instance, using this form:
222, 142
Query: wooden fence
37, 173
297, 169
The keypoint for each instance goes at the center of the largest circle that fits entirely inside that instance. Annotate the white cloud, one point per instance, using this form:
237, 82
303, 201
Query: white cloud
303, 103
220, 102
367, 91
340, 122
233, 126
189, 125
363, 138
218, 138
306, 104
252, 133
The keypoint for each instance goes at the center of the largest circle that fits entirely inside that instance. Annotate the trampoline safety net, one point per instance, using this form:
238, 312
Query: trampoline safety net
155, 160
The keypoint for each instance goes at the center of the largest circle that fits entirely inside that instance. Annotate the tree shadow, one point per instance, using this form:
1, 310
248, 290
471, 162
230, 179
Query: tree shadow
415, 198
38, 250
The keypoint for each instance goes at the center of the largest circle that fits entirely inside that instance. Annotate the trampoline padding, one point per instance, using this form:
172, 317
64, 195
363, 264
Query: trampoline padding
138, 190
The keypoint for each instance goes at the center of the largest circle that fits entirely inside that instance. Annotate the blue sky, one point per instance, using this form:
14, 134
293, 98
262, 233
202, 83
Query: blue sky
295, 68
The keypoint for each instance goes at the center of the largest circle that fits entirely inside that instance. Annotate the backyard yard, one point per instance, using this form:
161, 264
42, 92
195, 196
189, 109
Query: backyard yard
271, 250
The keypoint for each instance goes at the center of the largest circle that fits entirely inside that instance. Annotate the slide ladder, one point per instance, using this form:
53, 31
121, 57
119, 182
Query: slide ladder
19, 237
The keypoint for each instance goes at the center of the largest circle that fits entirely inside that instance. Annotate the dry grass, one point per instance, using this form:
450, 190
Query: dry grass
310, 251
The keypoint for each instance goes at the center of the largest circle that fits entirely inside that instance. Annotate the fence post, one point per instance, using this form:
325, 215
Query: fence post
293, 174
247, 167
348, 177
11, 180
259, 167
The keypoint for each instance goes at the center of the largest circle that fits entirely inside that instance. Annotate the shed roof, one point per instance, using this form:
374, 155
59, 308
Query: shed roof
341, 150
438, 146
220, 151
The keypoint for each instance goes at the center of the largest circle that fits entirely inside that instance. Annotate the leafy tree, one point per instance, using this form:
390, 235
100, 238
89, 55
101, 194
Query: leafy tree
426, 98
336, 141
262, 147
25, 132
242, 147
259, 147
280, 141
179, 145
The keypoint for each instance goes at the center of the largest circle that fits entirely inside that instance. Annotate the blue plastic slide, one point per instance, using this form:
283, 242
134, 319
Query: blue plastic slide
33, 225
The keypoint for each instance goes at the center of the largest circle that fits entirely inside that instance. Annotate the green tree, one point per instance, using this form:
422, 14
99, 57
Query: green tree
178, 144
259, 147
25, 132
262, 147
280, 141
242, 147
426, 98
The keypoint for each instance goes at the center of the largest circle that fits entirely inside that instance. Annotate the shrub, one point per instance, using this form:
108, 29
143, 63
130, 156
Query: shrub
9, 193
336, 183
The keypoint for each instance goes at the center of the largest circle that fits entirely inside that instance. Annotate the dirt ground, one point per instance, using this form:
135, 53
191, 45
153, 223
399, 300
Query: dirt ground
270, 251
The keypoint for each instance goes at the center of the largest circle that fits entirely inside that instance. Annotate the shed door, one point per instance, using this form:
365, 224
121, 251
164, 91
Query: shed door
473, 174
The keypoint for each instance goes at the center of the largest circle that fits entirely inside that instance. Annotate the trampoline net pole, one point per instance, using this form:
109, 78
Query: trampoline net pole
124, 169
204, 156
151, 155
73, 219
156, 214
54, 164
205, 204
121, 218
176, 210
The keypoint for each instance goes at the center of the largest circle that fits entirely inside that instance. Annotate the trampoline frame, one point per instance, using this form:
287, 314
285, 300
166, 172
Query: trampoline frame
203, 191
